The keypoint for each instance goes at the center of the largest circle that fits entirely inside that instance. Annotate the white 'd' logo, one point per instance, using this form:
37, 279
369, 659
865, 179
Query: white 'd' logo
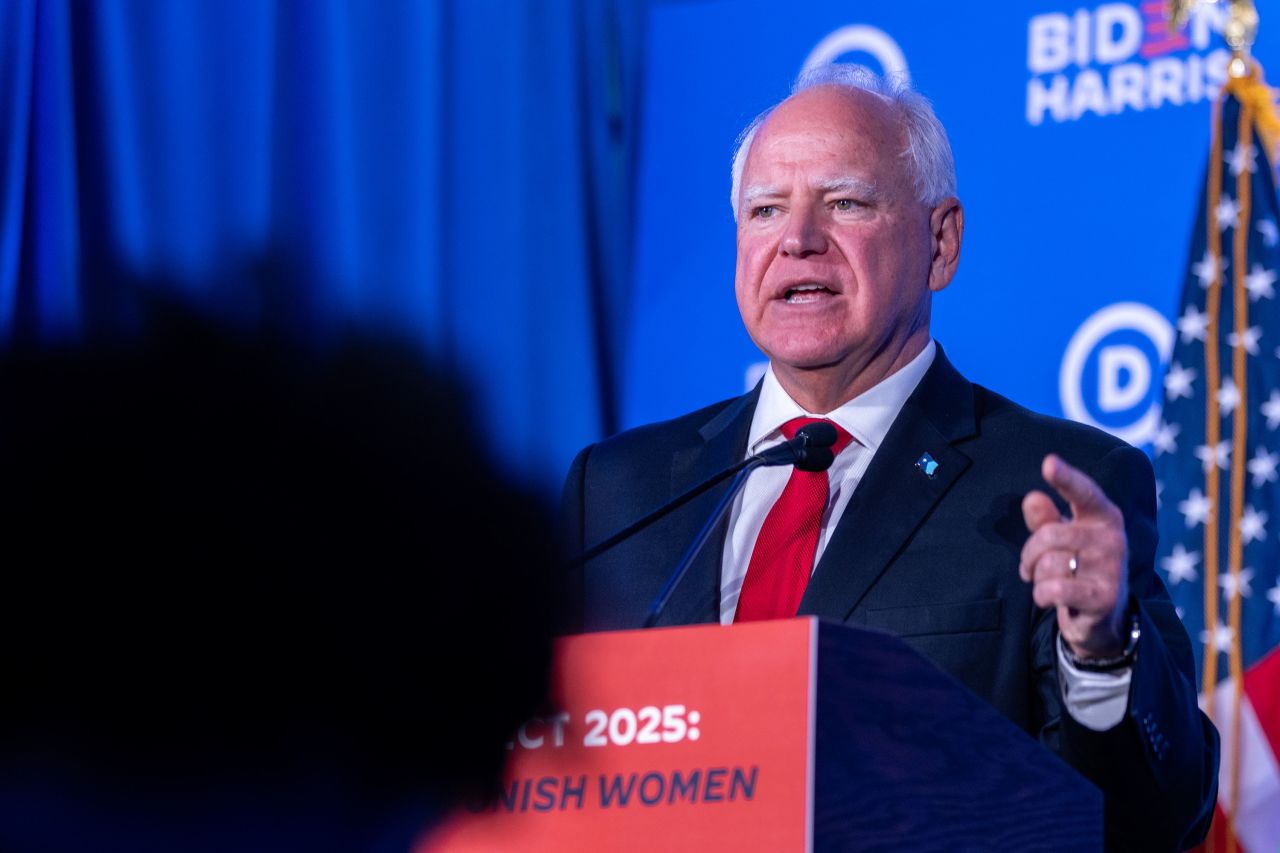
1125, 372
858, 37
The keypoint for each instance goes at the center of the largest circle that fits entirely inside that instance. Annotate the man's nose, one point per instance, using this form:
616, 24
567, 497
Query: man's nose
804, 235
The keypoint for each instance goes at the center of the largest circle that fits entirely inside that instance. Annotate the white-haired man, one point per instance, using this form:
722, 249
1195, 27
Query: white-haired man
935, 521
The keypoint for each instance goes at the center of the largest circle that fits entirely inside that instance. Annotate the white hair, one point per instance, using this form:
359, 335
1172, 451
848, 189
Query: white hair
928, 150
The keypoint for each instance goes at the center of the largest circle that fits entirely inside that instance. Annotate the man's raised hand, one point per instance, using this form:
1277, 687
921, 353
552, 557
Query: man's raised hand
1078, 565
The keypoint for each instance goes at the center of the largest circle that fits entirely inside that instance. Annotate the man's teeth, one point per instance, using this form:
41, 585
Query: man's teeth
804, 292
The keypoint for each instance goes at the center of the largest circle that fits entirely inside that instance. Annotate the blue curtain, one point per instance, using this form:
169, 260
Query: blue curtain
460, 173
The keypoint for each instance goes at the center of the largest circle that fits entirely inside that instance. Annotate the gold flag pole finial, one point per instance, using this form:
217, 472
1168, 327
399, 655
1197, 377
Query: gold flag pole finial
1240, 30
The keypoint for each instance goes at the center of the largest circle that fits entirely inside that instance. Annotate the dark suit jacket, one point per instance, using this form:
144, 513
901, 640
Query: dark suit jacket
934, 561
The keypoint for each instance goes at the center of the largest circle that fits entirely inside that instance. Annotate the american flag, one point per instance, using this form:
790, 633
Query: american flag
1218, 465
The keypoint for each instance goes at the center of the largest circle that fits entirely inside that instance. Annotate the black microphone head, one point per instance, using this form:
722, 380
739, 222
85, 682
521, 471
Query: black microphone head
818, 434
815, 458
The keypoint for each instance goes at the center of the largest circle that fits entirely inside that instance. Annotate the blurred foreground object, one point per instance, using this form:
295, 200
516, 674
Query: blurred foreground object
240, 595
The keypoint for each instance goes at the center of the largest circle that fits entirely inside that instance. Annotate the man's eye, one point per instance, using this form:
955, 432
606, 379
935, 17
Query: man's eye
765, 211
845, 204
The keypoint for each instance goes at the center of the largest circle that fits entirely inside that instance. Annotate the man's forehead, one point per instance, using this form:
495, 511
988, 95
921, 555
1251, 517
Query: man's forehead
827, 121
826, 133
841, 106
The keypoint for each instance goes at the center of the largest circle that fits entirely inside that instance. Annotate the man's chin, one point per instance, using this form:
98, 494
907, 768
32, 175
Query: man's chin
806, 362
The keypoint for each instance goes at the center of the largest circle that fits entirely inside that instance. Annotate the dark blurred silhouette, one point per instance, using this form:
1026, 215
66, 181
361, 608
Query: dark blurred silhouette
255, 595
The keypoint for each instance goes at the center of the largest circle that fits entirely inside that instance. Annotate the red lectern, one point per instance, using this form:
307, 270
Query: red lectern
778, 736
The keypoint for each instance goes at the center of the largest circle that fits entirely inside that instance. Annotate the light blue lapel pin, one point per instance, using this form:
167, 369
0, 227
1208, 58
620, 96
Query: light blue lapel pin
928, 465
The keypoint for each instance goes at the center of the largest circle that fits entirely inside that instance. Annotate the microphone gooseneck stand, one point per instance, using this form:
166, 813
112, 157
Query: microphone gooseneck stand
695, 547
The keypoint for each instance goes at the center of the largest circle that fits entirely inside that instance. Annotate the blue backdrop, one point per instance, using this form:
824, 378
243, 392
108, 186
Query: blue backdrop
454, 172
537, 193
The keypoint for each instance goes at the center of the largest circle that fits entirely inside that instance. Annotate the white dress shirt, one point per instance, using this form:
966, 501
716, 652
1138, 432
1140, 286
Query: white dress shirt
866, 417
1096, 700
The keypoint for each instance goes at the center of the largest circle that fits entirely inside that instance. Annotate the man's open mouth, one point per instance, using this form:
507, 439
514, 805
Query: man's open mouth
802, 293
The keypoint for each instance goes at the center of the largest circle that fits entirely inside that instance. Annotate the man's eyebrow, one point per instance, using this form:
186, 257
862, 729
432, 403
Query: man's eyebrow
753, 193
851, 185
845, 184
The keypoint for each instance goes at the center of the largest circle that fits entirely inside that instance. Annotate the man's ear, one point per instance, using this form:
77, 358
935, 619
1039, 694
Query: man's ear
946, 226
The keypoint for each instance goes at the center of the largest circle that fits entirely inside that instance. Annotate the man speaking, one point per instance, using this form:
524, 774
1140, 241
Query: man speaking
1012, 549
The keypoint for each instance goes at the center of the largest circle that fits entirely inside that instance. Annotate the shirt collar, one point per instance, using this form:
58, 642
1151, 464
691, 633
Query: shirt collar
866, 417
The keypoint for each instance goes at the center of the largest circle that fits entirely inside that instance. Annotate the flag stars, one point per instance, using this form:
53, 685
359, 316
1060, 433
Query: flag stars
1177, 382
1248, 339
1270, 234
1207, 269
1273, 595
1215, 455
1228, 396
1166, 438
1271, 409
1181, 564
1253, 525
1263, 467
1242, 158
1193, 324
1234, 584
1260, 282
1228, 211
1195, 509
1220, 638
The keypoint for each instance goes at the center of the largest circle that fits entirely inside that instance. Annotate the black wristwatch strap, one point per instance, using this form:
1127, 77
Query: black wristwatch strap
1123, 661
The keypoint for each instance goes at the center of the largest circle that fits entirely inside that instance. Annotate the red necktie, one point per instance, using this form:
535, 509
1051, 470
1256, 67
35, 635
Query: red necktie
783, 557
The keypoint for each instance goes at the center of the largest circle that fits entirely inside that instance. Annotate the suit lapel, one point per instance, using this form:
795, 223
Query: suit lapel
895, 496
724, 442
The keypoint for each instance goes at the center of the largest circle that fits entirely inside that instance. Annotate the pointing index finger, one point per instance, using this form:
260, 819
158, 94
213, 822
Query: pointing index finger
1084, 495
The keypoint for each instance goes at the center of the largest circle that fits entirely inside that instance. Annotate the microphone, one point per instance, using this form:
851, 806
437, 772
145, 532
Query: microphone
809, 450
